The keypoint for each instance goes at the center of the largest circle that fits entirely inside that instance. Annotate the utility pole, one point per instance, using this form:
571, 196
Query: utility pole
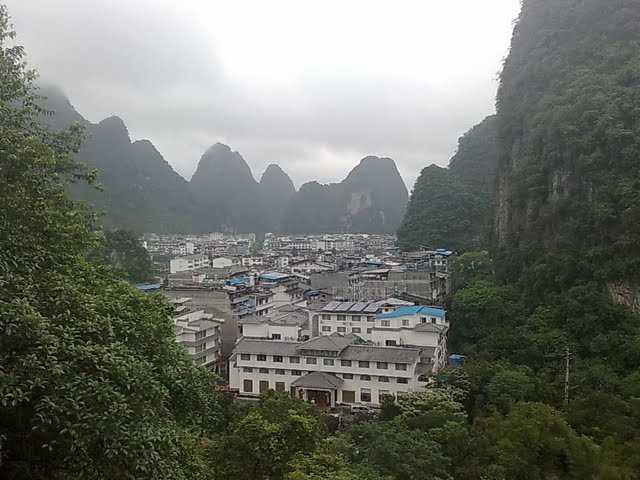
566, 377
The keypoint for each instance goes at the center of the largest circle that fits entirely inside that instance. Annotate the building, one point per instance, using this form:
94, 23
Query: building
223, 262
327, 370
200, 334
189, 262
311, 266
285, 288
252, 261
356, 318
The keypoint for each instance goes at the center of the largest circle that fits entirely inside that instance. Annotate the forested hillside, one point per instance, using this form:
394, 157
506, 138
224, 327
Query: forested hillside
451, 207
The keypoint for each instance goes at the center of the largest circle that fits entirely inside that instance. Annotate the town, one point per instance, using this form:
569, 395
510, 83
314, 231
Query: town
332, 319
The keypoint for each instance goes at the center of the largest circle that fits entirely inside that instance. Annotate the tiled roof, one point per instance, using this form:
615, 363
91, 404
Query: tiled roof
402, 311
318, 380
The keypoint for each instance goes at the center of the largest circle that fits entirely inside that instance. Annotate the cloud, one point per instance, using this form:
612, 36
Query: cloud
312, 86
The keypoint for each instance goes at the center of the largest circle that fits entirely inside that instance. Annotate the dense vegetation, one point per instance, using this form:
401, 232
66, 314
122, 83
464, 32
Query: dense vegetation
122, 249
372, 199
451, 207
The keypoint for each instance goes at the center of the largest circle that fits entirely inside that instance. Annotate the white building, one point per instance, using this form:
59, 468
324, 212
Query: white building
326, 370
252, 260
285, 288
200, 334
223, 262
189, 262
357, 318
311, 266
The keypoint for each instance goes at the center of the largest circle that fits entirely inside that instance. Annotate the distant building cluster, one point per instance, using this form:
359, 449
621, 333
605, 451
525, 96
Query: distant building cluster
333, 319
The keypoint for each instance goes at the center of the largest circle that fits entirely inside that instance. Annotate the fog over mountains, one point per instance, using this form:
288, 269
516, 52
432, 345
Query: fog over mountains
140, 189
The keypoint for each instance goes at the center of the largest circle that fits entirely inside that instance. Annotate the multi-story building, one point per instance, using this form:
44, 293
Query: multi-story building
327, 370
284, 287
252, 260
345, 317
189, 262
200, 334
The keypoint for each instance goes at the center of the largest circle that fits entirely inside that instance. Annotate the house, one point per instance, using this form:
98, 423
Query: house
311, 266
284, 287
223, 262
252, 260
344, 318
289, 323
189, 262
326, 370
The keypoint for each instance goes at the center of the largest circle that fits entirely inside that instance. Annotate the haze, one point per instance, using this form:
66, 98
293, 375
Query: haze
312, 86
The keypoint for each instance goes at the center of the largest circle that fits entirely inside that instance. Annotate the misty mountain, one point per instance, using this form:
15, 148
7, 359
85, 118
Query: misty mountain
372, 198
451, 207
140, 190
227, 192
276, 189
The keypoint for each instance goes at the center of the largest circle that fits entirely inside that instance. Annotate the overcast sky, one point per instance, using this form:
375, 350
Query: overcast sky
311, 85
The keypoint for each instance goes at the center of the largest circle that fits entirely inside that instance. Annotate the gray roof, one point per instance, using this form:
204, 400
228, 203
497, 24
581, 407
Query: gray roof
318, 380
334, 343
266, 347
380, 354
430, 327
352, 307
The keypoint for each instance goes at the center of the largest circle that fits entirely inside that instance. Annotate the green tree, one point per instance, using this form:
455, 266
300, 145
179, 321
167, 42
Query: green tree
92, 382
122, 249
328, 465
261, 441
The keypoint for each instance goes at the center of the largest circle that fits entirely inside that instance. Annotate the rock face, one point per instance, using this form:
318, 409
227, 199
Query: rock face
451, 207
567, 208
371, 199
140, 189
276, 189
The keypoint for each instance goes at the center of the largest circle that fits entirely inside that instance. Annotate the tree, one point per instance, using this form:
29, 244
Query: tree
329, 465
122, 249
261, 442
92, 382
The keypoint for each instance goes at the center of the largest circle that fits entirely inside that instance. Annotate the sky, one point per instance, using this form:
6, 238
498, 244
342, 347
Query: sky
313, 86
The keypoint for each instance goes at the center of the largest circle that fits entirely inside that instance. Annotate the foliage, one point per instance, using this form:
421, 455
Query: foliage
92, 383
451, 207
122, 249
260, 443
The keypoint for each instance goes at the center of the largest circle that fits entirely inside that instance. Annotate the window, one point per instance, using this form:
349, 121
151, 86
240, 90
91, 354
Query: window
326, 328
312, 361
403, 380
276, 336
326, 317
201, 360
405, 322
262, 358
356, 330
247, 369
280, 387
345, 363
383, 379
365, 395
342, 317
347, 376
328, 361
200, 348
280, 372
369, 330
385, 323
277, 358
362, 364
247, 386
296, 373
390, 343
401, 366
365, 378
342, 329
264, 386
382, 365
201, 334
294, 360
423, 319
434, 319
355, 318
263, 370
371, 319
348, 396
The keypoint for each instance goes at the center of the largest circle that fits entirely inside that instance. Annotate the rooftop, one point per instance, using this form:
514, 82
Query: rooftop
353, 307
418, 309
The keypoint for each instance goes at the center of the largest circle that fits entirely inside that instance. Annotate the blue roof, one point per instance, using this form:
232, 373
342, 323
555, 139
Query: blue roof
403, 311
235, 281
153, 286
274, 276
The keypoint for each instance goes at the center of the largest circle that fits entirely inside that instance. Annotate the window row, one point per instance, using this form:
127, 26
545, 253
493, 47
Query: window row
344, 318
328, 362
345, 376
327, 329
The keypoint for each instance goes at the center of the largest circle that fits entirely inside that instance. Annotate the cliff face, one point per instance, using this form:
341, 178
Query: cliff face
276, 189
567, 203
